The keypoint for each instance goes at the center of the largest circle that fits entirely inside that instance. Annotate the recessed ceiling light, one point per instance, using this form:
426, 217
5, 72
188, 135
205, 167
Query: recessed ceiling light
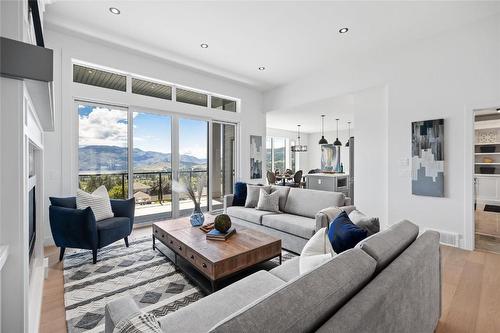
343, 30
204, 45
114, 10
262, 68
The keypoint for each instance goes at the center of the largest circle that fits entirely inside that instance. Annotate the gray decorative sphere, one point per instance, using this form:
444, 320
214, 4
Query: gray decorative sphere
222, 222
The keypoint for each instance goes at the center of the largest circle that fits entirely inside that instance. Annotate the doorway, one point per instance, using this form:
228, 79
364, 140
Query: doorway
487, 179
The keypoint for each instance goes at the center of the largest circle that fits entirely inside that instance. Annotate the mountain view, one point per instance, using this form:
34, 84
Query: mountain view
112, 158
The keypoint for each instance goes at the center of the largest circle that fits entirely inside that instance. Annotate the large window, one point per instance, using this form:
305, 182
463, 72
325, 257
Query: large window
151, 149
223, 104
103, 148
278, 154
153, 89
99, 78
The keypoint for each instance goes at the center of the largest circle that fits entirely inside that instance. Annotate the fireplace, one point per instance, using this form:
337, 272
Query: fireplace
32, 219
31, 200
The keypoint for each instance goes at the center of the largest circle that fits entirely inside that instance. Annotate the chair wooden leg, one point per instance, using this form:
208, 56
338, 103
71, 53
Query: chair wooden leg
61, 253
126, 241
94, 256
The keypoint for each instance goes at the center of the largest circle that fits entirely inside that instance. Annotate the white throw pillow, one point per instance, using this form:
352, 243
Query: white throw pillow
98, 201
253, 193
316, 251
268, 202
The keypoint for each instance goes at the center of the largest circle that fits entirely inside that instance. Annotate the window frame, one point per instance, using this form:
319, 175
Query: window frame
128, 86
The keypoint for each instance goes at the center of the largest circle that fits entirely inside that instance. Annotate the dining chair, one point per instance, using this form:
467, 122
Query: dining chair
297, 179
271, 178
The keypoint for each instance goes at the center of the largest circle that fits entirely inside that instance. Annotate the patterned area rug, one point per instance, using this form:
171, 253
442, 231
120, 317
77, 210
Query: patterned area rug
146, 275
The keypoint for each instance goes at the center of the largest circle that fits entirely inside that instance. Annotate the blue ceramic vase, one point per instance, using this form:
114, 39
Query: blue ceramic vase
197, 218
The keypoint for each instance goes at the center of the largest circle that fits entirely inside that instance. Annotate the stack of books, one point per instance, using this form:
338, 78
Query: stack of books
215, 234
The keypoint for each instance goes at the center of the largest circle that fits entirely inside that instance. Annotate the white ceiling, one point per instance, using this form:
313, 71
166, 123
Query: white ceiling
308, 116
291, 39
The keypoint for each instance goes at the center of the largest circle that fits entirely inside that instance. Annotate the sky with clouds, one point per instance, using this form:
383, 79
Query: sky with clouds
152, 132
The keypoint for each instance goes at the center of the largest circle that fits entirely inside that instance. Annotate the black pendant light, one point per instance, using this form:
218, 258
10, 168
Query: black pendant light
349, 137
323, 141
337, 141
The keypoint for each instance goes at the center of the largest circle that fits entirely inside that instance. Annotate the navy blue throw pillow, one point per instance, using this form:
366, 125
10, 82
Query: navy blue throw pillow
240, 194
344, 234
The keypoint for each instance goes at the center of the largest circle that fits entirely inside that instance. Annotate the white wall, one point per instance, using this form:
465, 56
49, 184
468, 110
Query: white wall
61, 145
442, 77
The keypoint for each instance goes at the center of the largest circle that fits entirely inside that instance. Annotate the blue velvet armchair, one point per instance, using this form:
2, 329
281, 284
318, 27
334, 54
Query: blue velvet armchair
77, 228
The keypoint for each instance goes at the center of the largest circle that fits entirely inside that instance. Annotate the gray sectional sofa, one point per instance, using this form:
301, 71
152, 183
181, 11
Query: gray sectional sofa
299, 216
390, 282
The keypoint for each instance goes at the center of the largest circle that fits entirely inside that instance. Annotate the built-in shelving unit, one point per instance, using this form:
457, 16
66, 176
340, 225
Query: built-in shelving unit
487, 147
487, 161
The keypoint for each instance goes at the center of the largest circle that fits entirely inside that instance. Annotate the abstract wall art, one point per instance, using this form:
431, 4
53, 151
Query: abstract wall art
427, 152
330, 157
255, 157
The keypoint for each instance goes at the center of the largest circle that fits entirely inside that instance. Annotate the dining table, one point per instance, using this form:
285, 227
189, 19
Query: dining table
283, 178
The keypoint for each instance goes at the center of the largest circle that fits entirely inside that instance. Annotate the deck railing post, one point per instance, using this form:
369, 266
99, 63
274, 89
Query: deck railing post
123, 186
160, 194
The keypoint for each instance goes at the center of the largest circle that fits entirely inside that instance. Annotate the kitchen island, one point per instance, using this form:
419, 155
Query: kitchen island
333, 182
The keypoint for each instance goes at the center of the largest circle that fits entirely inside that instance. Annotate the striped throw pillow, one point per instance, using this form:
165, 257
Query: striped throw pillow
98, 201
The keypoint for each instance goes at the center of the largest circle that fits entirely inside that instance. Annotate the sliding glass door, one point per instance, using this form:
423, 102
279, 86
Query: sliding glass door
223, 162
152, 166
153, 150
193, 162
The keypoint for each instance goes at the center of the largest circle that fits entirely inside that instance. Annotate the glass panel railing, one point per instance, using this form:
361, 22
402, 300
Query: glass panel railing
116, 183
153, 195
193, 177
152, 191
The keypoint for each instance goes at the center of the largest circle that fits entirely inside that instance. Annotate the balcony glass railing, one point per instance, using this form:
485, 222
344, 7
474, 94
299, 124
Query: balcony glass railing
152, 190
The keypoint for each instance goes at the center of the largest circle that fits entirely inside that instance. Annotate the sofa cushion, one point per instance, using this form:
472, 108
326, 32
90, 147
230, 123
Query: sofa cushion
253, 193
110, 230
287, 271
309, 202
240, 194
344, 234
283, 193
205, 313
307, 301
247, 214
386, 245
296, 225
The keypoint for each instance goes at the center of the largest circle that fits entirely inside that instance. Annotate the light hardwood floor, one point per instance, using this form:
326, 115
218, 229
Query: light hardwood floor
487, 230
471, 292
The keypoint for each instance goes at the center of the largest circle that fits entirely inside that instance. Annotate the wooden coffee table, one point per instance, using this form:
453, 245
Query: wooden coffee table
216, 260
